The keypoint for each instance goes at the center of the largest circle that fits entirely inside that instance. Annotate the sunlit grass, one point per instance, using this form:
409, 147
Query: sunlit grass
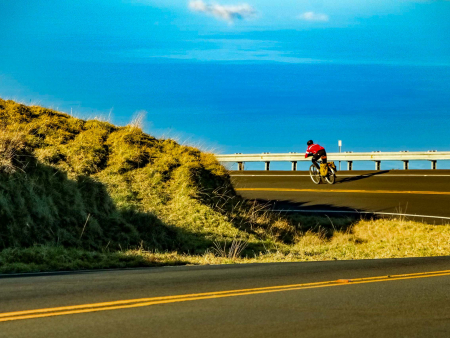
366, 240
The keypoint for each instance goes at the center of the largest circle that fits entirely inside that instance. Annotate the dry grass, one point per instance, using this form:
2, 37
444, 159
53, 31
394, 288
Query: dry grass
368, 240
371, 239
11, 144
233, 252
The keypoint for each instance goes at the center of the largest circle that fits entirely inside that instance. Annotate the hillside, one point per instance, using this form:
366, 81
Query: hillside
92, 185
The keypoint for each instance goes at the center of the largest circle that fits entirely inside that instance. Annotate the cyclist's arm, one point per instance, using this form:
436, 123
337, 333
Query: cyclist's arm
308, 153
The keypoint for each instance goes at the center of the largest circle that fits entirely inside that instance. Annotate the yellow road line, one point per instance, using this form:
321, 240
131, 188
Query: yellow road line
104, 304
140, 302
417, 192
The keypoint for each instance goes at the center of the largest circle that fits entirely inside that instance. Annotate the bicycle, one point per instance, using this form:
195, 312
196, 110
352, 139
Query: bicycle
316, 177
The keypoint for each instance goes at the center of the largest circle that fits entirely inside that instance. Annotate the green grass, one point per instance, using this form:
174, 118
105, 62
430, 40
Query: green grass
367, 239
48, 258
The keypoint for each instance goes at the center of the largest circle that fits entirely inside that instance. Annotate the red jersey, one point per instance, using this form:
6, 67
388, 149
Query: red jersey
313, 148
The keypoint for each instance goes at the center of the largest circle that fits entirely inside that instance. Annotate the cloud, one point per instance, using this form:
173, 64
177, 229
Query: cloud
311, 16
225, 12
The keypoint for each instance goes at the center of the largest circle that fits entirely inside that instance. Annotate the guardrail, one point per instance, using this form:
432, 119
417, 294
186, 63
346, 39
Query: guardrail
377, 156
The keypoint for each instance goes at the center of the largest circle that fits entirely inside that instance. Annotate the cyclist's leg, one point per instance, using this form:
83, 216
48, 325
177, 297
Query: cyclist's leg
314, 160
323, 155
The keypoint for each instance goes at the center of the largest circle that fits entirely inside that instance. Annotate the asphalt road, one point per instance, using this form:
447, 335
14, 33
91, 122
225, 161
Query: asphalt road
408, 306
425, 193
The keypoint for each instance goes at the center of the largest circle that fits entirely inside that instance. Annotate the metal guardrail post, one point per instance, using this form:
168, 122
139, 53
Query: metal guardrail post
349, 165
240, 165
433, 164
294, 165
377, 165
406, 165
267, 166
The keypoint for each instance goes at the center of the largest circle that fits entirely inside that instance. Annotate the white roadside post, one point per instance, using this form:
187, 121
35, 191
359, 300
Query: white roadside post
340, 145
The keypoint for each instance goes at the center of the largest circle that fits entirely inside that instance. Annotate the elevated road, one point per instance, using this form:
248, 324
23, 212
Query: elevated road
420, 194
369, 298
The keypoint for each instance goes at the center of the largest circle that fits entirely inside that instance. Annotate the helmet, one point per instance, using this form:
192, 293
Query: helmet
309, 142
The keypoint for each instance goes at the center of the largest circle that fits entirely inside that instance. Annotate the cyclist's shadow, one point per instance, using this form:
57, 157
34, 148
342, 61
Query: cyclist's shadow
360, 177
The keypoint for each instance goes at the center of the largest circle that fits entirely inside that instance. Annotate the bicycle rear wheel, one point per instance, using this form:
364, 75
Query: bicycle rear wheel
331, 177
315, 174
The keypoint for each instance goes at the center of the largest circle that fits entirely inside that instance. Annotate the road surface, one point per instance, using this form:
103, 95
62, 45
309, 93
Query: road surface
368, 298
425, 193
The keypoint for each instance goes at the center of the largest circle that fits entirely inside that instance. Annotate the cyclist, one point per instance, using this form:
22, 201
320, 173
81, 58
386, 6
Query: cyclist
316, 151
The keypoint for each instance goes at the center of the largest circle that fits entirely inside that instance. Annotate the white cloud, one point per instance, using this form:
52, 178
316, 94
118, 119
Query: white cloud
311, 16
225, 12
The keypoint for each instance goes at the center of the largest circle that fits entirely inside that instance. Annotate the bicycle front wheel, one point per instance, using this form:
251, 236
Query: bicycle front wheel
331, 177
315, 174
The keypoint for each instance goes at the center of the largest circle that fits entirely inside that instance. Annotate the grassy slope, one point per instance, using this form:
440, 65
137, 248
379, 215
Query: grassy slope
87, 194
92, 185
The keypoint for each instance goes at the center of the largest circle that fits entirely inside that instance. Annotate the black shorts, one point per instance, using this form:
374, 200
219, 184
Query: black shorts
320, 154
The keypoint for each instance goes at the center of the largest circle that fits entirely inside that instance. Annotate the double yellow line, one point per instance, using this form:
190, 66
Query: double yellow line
414, 192
140, 302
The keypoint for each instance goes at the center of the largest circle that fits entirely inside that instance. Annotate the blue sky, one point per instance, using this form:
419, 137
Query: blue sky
240, 76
